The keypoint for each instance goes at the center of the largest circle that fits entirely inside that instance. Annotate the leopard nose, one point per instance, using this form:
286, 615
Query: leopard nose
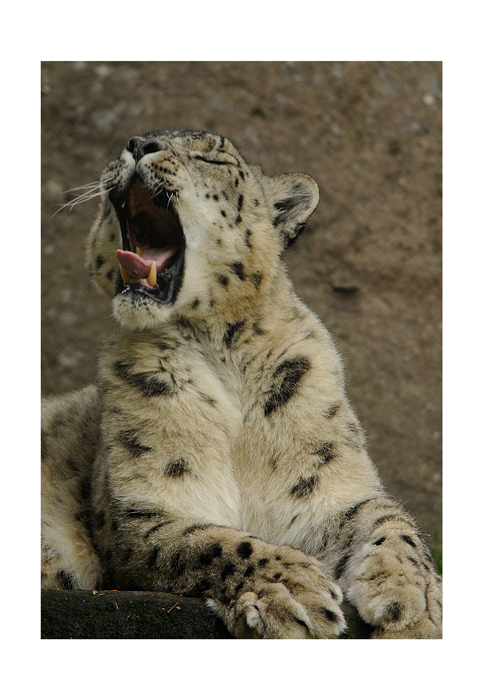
141, 147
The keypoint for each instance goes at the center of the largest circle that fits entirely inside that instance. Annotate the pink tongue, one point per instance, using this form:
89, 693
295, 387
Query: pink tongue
139, 267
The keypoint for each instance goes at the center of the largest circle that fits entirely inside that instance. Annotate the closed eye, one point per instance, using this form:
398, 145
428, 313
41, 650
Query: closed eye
215, 161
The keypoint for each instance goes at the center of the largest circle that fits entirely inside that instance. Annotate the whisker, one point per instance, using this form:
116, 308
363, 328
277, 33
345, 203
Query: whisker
162, 186
93, 185
159, 188
81, 199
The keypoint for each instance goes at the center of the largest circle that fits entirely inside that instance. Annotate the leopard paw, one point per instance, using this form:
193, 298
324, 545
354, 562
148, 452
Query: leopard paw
398, 595
291, 598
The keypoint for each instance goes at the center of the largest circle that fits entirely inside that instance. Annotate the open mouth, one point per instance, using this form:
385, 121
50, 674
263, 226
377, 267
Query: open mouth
152, 259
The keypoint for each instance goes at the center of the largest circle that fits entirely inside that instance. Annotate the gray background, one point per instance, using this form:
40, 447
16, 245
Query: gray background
369, 262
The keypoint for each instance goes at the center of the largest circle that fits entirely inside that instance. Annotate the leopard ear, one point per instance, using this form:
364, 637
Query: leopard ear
293, 198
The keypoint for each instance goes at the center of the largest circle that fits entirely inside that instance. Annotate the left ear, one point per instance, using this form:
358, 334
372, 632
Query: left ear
293, 198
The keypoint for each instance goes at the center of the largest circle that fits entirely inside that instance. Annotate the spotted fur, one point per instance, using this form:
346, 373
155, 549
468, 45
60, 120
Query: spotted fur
218, 455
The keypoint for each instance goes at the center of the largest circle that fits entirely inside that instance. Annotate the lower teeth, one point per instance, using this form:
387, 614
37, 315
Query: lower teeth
150, 279
124, 275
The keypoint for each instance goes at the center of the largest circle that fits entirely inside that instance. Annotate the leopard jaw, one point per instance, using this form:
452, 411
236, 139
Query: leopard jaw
153, 244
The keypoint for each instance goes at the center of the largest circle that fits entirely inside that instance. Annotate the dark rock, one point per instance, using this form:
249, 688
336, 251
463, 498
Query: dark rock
141, 615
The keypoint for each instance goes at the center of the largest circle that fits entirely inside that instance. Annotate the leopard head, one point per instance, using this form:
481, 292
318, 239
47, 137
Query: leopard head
186, 226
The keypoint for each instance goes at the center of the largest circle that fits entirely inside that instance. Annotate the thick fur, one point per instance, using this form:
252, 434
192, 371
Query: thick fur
218, 455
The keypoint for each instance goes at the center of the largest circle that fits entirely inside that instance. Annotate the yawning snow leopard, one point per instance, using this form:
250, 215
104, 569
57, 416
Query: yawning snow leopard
217, 454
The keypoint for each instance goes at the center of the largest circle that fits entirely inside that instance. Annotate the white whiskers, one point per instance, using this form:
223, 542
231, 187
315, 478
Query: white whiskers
162, 186
159, 188
93, 189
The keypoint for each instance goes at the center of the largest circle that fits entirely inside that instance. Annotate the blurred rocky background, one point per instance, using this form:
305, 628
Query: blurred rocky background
368, 263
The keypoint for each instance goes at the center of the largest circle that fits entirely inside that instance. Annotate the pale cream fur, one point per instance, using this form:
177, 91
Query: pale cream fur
223, 416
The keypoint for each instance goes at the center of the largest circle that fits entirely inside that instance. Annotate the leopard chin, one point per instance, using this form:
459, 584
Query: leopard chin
137, 310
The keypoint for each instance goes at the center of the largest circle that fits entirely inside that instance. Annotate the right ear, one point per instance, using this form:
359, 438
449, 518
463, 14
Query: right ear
292, 197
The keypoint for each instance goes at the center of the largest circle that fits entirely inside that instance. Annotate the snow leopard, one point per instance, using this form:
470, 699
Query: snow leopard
217, 454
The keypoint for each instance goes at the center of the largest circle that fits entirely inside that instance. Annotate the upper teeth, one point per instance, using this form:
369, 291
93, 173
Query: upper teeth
132, 203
